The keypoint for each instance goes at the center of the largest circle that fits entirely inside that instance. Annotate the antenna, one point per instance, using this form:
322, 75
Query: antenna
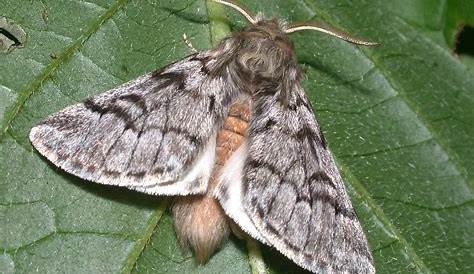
323, 27
306, 25
243, 10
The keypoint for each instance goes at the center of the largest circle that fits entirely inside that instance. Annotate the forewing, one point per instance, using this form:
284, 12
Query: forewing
153, 134
293, 192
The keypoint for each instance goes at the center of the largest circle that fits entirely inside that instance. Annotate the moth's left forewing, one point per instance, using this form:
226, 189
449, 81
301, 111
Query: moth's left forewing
292, 191
155, 134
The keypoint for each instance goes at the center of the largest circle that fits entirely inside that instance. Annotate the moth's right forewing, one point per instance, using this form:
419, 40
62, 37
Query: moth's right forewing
291, 190
155, 134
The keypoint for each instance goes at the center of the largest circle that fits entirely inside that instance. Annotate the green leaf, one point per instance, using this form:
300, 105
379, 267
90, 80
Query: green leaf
458, 14
399, 119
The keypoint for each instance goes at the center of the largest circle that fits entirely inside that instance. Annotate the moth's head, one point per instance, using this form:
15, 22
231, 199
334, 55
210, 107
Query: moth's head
270, 30
278, 30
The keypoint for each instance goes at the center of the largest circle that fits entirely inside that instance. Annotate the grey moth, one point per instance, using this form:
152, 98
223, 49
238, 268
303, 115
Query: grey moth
231, 135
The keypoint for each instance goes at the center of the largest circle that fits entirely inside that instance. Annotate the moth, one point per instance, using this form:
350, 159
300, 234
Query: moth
231, 135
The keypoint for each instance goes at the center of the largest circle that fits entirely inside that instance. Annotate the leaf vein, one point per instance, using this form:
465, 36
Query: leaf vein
26, 92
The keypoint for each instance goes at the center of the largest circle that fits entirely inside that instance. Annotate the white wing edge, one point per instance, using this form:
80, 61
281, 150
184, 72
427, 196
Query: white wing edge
229, 193
200, 171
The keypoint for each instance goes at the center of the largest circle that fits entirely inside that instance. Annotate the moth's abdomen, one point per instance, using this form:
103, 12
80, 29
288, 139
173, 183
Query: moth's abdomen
200, 222
233, 131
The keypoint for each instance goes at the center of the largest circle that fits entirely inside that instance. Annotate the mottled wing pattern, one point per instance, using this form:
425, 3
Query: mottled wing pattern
293, 192
153, 134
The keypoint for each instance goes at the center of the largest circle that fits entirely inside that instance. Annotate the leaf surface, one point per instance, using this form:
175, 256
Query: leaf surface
399, 119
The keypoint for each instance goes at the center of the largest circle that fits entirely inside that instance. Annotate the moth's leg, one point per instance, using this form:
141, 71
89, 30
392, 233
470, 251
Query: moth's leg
188, 43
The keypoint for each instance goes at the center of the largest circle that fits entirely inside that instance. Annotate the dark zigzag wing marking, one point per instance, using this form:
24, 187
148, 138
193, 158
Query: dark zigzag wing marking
294, 193
148, 131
